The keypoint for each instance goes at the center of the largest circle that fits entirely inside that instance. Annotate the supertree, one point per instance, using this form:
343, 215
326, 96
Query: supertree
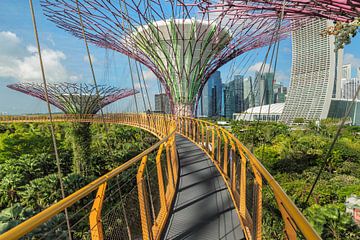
181, 46
74, 98
337, 10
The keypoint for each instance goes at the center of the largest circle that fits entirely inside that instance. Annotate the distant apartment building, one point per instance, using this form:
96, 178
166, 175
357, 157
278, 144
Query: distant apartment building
162, 103
315, 73
211, 97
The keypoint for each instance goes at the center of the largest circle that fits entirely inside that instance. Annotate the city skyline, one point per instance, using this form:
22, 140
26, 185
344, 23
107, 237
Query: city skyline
66, 61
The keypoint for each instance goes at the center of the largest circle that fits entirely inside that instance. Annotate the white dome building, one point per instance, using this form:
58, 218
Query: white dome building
271, 112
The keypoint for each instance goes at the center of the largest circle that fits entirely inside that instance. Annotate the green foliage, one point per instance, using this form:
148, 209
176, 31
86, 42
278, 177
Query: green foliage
28, 171
299, 120
294, 156
12, 216
331, 221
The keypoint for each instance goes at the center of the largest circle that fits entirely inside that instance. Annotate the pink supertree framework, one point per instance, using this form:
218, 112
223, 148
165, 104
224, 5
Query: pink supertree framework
75, 98
337, 10
181, 46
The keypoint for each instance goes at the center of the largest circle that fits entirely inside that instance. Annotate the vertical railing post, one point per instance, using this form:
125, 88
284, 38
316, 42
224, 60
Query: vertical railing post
219, 142
243, 186
143, 202
161, 178
169, 167
202, 135
289, 230
257, 214
213, 143
95, 214
233, 166
207, 138
226, 156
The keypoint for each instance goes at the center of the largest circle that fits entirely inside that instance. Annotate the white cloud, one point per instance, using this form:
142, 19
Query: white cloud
351, 59
259, 66
281, 76
149, 75
86, 58
22, 64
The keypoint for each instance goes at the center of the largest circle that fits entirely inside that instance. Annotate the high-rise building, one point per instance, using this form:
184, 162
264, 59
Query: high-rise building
248, 93
349, 88
162, 103
315, 72
346, 72
211, 97
280, 92
263, 88
234, 96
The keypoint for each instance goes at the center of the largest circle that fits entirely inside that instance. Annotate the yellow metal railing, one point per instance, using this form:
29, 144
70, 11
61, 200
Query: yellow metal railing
144, 226
155, 179
246, 178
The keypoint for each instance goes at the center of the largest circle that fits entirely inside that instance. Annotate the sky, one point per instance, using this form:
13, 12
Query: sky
65, 60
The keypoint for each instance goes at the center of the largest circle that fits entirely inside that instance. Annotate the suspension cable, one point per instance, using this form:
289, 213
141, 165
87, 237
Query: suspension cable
102, 113
133, 84
50, 116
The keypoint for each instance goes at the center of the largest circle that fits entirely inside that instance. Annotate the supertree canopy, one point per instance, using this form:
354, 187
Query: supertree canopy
181, 46
338, 10
74, 98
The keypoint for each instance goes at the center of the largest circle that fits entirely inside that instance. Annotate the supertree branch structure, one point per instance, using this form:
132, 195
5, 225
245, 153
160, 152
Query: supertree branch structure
181, 46
337, 10
74, 98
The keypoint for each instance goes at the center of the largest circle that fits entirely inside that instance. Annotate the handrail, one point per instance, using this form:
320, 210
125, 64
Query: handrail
296, 216
225, 150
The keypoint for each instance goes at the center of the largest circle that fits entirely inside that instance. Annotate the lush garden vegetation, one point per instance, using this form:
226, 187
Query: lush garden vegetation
294, 156
28, 172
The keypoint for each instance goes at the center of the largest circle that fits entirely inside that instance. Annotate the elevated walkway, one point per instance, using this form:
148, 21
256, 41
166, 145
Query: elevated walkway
203, 208
206, 185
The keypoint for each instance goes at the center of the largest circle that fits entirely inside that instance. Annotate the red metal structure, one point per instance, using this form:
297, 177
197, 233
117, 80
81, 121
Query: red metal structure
182, 47
338, 10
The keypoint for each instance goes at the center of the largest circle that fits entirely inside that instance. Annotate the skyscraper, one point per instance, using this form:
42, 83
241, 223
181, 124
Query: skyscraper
315, 73
162, 103
346, 72
211, 97
248, 93
280, 92
349, 88
234, 96
263, 88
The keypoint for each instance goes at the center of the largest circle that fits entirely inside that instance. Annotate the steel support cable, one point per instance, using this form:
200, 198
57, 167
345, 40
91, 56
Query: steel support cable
329, 152
50, 115
140, 85
148, 118
146, 89
263, 66
97, 91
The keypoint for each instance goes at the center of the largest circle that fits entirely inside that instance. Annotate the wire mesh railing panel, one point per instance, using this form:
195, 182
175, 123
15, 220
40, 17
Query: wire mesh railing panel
273, 225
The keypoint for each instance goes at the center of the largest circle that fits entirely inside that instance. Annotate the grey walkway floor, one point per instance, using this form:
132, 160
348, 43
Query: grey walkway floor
203, 208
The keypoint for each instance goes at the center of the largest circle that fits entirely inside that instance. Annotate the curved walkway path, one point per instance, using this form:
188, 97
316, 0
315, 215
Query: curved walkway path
203, 208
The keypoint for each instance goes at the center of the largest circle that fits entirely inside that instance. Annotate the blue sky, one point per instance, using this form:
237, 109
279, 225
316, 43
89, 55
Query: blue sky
65, 60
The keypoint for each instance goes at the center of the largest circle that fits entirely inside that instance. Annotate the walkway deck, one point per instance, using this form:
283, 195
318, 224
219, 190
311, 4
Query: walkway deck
203, 208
